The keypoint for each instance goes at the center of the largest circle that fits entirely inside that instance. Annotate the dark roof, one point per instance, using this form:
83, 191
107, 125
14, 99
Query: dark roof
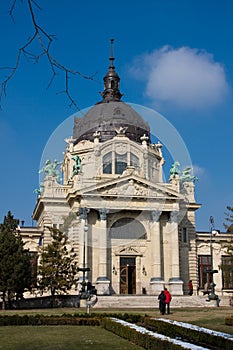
110, 113
106, 118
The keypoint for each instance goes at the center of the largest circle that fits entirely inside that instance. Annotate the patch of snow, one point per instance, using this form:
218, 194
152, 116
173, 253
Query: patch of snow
196, 328
159, 336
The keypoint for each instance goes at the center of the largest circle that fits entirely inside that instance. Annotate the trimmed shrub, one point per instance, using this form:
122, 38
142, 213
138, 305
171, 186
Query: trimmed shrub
187, 334
42, 320
145, 340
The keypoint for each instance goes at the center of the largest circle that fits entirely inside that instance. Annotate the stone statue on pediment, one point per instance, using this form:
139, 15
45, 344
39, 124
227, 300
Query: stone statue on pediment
40, 190
50, 169
175, 169
186, 176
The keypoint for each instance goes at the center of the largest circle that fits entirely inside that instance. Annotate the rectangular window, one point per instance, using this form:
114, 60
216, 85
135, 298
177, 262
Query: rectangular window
204, 264
134, 161
184, 235
227, 271
120, 163
107, 163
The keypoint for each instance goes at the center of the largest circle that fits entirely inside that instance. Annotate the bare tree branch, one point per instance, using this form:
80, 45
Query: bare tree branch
45, 41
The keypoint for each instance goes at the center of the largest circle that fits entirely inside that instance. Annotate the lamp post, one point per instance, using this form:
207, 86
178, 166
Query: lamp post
88, 294
83, 212
212, 295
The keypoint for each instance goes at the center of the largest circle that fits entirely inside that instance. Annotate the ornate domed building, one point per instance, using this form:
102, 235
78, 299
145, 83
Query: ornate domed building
135, 232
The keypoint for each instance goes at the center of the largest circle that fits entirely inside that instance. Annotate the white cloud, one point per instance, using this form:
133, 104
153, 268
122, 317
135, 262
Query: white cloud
198, 170
185, 77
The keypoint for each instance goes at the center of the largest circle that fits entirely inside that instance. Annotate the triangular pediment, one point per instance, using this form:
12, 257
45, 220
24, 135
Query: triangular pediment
128, 251
131, 186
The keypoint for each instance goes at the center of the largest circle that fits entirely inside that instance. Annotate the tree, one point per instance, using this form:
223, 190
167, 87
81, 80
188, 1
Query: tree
57, 268
44, 40
229, 220
227, 260
15, 267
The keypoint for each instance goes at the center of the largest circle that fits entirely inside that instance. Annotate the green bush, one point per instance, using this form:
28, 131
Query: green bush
192, 335
16, 320
133, 318
145, 340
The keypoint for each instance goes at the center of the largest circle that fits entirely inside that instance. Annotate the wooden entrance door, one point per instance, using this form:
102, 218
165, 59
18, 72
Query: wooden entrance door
127, 275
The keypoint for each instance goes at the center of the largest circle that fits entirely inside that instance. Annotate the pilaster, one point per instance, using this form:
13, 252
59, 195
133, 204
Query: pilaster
175, 283
102, 282
156, 281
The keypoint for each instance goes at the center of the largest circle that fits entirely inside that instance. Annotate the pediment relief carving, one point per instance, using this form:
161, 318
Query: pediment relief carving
129, 188
135, 189
134, 186
128, 251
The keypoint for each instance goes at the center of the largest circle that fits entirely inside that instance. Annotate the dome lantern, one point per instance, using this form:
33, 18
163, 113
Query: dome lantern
111, 81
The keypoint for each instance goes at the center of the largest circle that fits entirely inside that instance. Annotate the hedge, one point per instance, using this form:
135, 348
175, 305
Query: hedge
193, 336
145, 340
42, 320
105, 320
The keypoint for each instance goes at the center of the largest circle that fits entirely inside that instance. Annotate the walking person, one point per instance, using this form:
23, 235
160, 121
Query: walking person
190, 285
162, 305
167, 300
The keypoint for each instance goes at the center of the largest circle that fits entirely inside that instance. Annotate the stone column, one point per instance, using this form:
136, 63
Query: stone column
102, 282
156, 281
175, 283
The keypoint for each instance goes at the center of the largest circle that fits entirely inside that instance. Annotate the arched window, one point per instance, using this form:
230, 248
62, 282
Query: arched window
127, 228
107, 163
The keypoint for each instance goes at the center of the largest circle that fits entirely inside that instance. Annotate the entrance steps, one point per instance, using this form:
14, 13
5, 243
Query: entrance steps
151, 301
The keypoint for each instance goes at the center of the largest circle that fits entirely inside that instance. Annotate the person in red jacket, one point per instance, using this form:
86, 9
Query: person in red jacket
167, 300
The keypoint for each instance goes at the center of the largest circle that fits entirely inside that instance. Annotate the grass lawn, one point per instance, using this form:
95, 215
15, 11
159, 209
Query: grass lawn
96, 338
61, 338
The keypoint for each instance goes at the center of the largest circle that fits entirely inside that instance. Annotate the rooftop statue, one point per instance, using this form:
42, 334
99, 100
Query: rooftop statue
50, 169
175, 169
187, 176
77, 167
40, 190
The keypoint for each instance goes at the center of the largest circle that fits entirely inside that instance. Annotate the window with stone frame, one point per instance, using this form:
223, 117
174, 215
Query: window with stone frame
107, 163
134, 161
227, 271
120, 161
204, 264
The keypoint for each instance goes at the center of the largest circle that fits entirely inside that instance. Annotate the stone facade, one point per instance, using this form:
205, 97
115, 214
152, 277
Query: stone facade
137, 231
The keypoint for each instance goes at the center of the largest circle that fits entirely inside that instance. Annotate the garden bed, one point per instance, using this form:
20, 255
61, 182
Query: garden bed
150, 333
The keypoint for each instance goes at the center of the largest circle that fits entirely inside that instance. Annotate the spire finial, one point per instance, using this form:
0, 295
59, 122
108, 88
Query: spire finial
111, 58
111, 81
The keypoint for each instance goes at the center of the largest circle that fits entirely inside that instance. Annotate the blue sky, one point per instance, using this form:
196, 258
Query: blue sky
175, 57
